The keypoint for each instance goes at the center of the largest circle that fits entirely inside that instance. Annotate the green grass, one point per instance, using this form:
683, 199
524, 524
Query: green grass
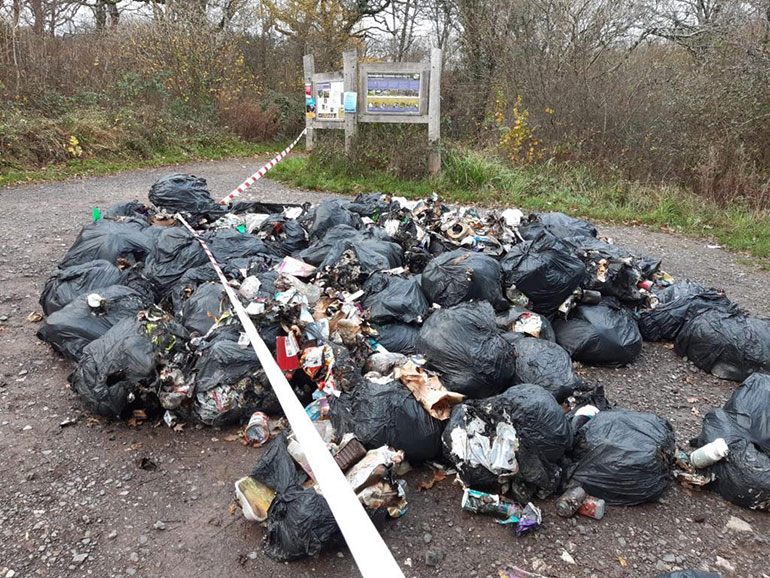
184, 152
477, 178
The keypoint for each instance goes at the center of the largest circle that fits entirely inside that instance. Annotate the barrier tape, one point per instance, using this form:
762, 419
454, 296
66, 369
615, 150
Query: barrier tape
372, 556
261, 172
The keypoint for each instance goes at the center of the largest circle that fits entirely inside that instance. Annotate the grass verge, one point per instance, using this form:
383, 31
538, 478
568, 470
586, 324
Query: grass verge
185, 152
476, 178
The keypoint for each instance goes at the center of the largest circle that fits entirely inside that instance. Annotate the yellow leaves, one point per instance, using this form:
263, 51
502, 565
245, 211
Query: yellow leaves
517, 141
74, 148
548, 110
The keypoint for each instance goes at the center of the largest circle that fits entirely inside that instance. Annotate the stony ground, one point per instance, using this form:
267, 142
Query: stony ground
74, 501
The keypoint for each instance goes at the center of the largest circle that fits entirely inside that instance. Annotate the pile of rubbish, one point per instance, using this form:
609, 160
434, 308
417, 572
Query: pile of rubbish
413, 332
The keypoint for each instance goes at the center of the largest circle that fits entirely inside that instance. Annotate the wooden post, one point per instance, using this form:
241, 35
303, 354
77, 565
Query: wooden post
309, 65
350, 84
434, 112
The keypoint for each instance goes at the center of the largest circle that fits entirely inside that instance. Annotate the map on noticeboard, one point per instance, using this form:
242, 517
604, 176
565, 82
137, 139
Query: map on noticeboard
393, 92
329, 100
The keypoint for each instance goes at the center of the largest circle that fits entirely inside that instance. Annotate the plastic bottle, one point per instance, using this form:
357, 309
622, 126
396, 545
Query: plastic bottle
709, 454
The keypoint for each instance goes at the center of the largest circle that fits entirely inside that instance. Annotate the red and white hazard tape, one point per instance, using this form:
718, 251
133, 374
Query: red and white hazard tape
372, 556
261, 172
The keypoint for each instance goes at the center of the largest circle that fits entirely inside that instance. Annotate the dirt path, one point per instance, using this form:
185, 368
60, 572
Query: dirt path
76, 491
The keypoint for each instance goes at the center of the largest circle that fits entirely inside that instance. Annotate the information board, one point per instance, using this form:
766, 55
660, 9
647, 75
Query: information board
393, 92
329, 100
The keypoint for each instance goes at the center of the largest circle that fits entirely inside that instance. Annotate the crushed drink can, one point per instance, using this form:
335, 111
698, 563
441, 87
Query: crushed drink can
257, 431
592, 508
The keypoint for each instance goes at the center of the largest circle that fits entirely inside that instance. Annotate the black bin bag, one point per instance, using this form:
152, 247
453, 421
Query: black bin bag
464, 345
71, 328
743, 476
299, 521
331, 213
397, 337
461, 275
66, 284
602, 334
180, 193
203, 308
175, 252
387, 414
118, 372
726, 343
111, 240
478, 441
545, 270
402, 300
676, 304
544, 363
230, 384
624, 457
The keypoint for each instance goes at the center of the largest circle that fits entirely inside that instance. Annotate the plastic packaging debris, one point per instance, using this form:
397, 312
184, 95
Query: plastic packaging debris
250, 287
743, 476
257, 431
483, 503
624, 457
517, 437
387, 414
427, 389
463, 275
604, 334
255, 498
373, 467
295, 267
462, 343
726, 343
592, 508
350, 452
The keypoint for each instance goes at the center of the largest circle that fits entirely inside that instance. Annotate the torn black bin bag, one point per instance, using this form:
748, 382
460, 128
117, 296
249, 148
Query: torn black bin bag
624, 457
175, 252
230, 384
743, 476
371, 255
387, 413
522, 320
299, 521
77, 324
66, 284
677, 304
180, 193
401, 300
556, 224
464, 345
188, 283
283, 237
123, 240
603, 334
227, 244
260, 207
373, 205
478, 441
397, 337
544, 363
545, 270
726, 343
201, 310
118, 372
461, 275
126, 209
317, 251
328, 214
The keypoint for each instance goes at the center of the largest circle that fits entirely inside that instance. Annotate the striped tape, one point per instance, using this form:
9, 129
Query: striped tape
372, 556
261, 172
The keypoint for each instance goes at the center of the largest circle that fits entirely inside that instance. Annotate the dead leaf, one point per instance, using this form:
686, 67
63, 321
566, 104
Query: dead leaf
437, 477
35, 317
622, 561
137, 446
233, 509
179, 427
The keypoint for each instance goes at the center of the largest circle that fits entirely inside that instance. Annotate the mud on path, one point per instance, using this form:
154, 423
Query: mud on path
73, 501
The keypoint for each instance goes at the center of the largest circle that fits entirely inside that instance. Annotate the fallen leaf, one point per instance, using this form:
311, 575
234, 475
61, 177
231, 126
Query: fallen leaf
233, 509
179, 427
622, 561
137, 446
437, 477
35, 317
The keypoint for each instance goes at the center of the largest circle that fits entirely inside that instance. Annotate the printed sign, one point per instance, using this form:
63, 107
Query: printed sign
329, 100
351, 101
393, 92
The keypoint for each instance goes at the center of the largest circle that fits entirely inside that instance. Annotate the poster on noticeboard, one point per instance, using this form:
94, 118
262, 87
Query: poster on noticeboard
393, 92
329, 100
